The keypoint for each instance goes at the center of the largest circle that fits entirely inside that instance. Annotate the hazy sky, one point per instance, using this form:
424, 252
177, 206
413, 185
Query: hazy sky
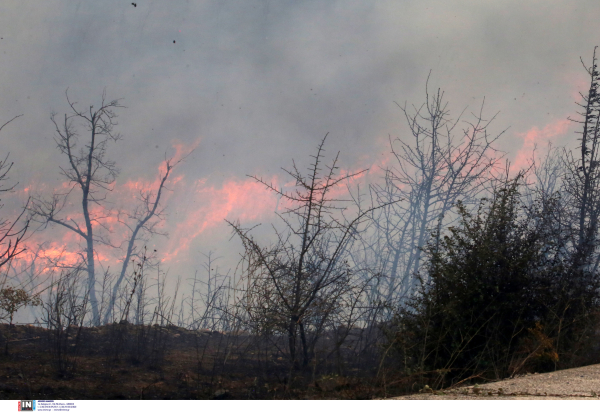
252, 84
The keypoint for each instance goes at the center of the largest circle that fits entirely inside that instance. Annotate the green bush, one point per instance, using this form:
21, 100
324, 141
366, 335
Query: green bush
12, 299
498, 295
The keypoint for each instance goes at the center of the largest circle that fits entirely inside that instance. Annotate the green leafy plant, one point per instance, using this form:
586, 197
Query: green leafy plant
12, 299
500, 292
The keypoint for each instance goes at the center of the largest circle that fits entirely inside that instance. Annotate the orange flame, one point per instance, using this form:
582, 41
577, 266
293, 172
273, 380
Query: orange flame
534, 136
246, 200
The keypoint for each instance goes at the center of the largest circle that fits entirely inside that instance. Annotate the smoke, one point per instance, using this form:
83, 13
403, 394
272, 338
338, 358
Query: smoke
252, 85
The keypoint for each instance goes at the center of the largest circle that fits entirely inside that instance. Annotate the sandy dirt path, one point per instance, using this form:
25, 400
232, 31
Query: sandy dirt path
578, 383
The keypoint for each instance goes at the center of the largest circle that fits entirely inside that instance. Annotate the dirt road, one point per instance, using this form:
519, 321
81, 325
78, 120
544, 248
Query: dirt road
579, 383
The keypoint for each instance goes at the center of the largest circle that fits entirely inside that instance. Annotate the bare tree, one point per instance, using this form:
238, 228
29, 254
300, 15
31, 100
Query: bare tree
432, 172
11, 232
296, 285
547, 175
142, 220
89, 172
582, 174
92, 174
212, 295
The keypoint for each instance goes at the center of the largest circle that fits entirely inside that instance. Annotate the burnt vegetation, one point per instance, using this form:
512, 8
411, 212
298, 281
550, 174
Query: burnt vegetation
451, 269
